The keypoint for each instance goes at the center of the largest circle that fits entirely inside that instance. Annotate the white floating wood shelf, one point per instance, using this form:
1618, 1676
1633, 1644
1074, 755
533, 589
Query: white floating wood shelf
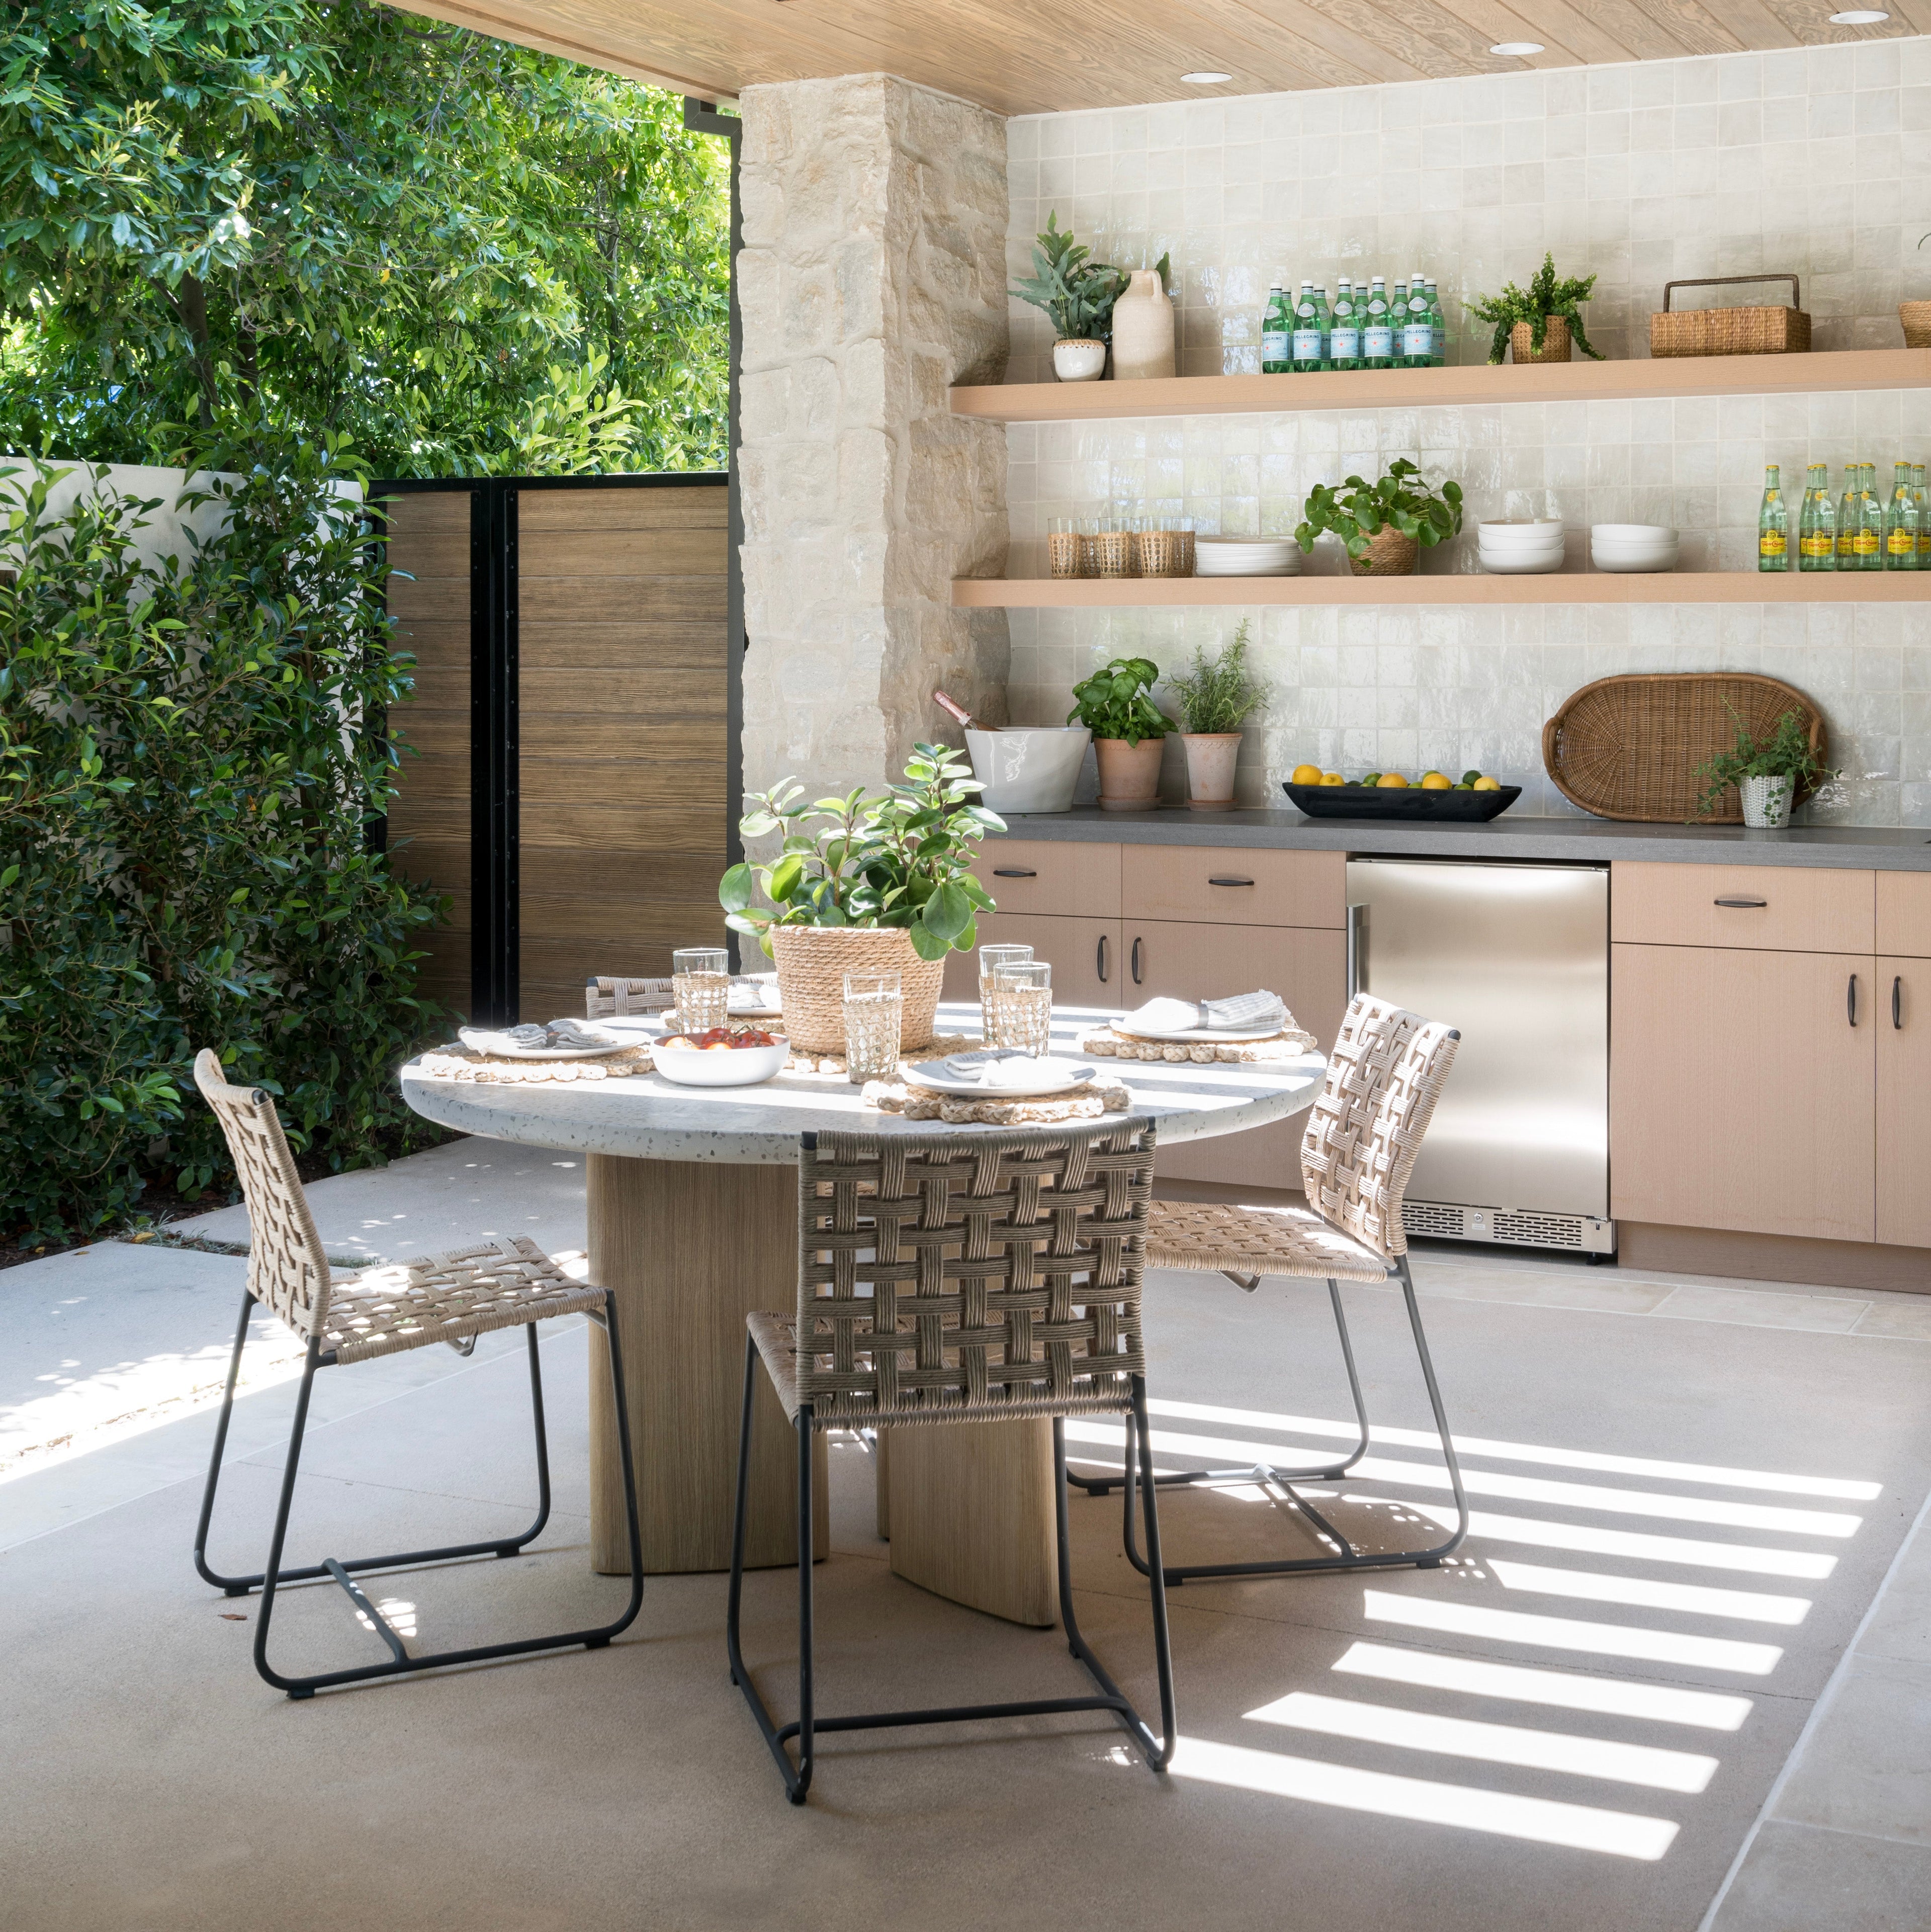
1679, 586
1579, 381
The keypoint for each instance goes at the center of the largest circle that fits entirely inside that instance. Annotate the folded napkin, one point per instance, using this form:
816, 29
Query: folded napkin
1242, 1011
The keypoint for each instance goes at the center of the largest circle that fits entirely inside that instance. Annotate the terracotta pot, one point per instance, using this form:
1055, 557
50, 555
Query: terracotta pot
1389, 554
1211, 757
1129, 775
1143, 330
812, 961
1076, 360
1916, 317
1554, 342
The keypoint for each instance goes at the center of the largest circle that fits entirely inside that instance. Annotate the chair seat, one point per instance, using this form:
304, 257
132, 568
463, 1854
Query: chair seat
409, 1304
1213, 1239
777, 1339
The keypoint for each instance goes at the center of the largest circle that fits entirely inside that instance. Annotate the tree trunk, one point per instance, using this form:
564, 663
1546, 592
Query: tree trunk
190, 304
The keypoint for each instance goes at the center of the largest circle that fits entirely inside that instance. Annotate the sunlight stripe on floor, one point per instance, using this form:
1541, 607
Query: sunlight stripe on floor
1566, 1690
1474, 1620
1544, 1821
1650, 1593
1648, 1765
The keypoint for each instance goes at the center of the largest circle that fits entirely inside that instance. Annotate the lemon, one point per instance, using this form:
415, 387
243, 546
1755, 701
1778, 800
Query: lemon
1435, 781
1392, 781
1486, 784
1306, 775
1332, 778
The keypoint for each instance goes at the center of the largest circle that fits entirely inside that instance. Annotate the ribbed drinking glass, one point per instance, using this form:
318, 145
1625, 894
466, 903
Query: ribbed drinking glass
1018, 1003
990, 956
700, 977
874, 1014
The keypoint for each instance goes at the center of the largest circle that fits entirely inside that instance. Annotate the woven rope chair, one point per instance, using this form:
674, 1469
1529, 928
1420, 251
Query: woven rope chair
1364, 1134
382, 1311
944, 1278
603, 997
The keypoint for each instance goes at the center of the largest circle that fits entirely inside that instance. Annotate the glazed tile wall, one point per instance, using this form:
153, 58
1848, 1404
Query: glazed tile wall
1813, 161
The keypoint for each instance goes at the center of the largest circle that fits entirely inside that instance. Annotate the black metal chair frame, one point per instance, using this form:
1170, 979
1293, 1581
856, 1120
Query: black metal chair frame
1346, 1556
809, 1724
401, 1663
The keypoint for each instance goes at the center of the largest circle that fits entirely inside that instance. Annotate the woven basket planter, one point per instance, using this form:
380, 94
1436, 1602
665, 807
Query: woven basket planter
1555, 342
1389, 554
1916, 317
812, 961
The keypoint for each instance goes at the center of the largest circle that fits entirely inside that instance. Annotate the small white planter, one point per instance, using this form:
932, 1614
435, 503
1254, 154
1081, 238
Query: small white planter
1075, 361
1029, 768
1766, 803
1211, 758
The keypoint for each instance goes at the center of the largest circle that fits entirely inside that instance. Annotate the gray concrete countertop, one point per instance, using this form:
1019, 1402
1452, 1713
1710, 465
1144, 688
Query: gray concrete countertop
1572, 841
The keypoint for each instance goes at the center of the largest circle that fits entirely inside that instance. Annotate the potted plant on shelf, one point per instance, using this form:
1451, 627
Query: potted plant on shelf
1772, 776
1538, 323
1216, 698
1127, 729
1078, 294
870, 882
1385, 525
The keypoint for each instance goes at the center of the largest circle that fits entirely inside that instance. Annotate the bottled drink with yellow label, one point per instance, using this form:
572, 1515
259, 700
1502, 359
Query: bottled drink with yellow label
1817, 527
1773, 525
1860, 521
1923, 516
1900, 522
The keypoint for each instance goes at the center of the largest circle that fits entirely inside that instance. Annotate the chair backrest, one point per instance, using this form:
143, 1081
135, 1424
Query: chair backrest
945, 1277
604, 997
288, 1273
1364, 1132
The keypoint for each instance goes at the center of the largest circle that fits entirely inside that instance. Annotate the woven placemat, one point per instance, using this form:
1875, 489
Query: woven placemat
1290, 1043
457, 1063
921, 1103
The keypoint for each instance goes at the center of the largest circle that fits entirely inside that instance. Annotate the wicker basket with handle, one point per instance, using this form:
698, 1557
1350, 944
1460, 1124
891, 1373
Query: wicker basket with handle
1630, 747
812, 961
1730, 331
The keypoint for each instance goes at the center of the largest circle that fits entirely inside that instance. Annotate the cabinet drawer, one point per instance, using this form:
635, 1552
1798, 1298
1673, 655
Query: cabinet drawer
1904, 914
1085, 954
1077, 881
1757, 908
1221, 885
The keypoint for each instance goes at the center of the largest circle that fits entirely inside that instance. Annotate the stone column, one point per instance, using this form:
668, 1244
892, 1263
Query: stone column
872, 276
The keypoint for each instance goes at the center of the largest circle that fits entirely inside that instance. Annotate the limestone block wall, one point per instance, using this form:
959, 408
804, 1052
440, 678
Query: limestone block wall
871, 278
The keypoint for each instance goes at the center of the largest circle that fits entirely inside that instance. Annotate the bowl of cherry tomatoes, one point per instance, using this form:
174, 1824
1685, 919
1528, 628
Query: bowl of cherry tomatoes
725, 1056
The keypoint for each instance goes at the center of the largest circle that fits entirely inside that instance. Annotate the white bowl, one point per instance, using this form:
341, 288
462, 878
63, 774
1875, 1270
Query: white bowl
1633, 533
1029, 768
1525, 529
1554, 549
1634, 564
728, 1066
1521, 566
1488, 555
1627, 550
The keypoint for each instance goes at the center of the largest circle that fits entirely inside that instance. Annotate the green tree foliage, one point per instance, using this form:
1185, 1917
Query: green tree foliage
188, 763
464, 257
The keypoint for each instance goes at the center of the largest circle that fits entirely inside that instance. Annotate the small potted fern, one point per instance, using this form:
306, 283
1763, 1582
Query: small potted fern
1078, 294
1216, 698
1538, 323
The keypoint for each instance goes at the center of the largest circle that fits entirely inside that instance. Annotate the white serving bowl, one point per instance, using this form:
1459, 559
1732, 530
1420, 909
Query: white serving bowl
1633, 533
730, 1066
1029, 768
1636, 563
1524, 529
1489, 549
1521, 566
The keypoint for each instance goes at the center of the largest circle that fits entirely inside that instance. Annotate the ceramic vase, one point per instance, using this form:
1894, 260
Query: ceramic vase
1143, 330
1211, 757
1129, 775
1077, 361
1766, 803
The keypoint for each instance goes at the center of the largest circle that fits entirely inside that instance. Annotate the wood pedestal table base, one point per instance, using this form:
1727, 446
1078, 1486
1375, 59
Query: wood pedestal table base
693, 1224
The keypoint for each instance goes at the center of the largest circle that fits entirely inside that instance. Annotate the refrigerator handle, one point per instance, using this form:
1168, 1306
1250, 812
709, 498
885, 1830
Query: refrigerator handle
1358, 949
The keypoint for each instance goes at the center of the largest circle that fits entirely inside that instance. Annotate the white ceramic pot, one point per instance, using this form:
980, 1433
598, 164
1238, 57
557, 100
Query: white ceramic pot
1766, 803
1078, 361
1142, 329
1211, 758
1028, 768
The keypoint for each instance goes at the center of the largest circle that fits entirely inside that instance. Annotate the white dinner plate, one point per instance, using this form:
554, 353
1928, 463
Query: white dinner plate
1187, 1035
959, 1075
502, 1047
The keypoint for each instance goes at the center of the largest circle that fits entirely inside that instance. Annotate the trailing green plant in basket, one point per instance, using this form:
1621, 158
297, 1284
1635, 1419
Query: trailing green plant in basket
901, 857
1545, 299
1360, 510
1787, 752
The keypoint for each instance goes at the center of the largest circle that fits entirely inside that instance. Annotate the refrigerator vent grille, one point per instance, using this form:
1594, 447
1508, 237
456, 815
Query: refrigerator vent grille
1445, 1221
1424, 1217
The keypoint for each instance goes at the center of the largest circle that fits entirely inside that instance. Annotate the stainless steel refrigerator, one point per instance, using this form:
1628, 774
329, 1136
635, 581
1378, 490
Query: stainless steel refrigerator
1517, 957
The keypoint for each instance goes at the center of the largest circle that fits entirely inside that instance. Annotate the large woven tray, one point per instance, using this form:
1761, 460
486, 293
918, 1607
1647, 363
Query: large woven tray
1630, 747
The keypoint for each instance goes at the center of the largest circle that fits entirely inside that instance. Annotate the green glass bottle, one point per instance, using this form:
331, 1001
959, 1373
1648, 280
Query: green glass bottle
1773, 525
1868, 546
1923, 516
1309, 334
1439, 353
1377, 334
1398, 315
1276, 335
1417, 334
1344, 333
1817, 526
1900, 521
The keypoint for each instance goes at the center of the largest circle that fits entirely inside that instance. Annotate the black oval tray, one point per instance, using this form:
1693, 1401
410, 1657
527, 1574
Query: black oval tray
1396, 804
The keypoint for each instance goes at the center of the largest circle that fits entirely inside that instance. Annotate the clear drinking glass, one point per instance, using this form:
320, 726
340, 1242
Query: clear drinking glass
701, 979
1089, 546
990, 956
1113, 548
875, 1010
1063, 546
1018, 1003
1183, 562
1155, 546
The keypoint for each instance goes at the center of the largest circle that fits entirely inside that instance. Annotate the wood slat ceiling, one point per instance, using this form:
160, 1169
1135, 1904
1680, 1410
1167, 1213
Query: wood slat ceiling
1039, 56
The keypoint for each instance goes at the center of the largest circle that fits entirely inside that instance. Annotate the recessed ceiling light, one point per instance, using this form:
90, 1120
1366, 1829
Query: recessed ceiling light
1859, 16
1516, 49
1204, 79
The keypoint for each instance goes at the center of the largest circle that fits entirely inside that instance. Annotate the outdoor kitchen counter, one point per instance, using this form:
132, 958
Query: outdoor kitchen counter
1560, 841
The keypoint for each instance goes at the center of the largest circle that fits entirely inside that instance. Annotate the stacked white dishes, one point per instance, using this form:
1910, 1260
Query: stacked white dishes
1246, 556
1521, 547
1633, 546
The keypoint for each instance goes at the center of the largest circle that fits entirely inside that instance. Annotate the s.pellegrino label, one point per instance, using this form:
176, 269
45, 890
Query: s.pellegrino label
1378, 342
1417, 343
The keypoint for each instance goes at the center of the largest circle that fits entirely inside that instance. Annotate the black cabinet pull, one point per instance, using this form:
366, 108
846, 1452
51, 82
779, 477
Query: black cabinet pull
1134, 962
1014, 872
1230, 882
1099, 962
1851, 1000
1897, 1003
1753, 905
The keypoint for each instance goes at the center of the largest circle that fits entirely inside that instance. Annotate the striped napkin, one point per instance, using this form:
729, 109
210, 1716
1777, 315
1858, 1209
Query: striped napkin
1242, 1011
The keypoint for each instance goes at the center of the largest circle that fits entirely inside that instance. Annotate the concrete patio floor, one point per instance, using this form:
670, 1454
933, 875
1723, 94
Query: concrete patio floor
1683, 1678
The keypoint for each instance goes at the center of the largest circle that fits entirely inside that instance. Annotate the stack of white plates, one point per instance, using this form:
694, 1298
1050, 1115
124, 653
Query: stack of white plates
1521, 547
1246, 556
1633, 546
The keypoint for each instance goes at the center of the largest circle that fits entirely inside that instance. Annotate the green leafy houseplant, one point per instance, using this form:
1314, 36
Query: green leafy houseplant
1076, 292
1360, 511
1788, 752
896, 858
1113, 702
1545, 299
1218, 696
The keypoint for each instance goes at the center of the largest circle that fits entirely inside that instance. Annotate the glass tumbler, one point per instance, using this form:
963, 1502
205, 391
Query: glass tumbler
1113, 548
701, 979
874, 1009
1156, 547
1019, 1007
1184, 559
1063, 546
990, 956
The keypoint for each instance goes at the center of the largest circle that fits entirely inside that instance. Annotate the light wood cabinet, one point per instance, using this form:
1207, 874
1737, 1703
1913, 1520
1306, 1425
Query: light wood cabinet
1741, 1095
1904, 914
1902, 1017
1230, 886
1085, 955
1063, 878
1777, 908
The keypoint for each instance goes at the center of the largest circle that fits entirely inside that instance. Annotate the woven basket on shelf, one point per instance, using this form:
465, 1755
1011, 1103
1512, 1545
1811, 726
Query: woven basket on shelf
1916, 317
1554, 341
1730, 331
1389, 554
812, 961
1630, 747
